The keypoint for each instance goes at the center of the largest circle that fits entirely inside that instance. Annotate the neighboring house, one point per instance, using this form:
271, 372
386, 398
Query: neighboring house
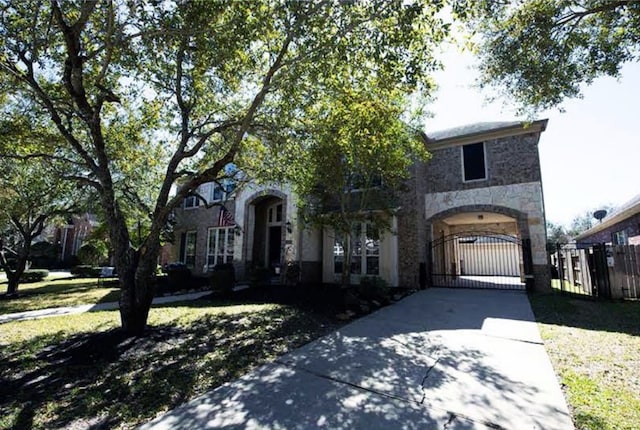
622, 227
480, 191
71, 236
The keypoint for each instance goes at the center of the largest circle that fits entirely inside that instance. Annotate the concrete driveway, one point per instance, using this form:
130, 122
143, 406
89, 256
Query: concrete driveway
441, 359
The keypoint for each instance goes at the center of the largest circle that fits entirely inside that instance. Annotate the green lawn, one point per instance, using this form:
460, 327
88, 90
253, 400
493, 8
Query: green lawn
79, 371
59, 292
595, 349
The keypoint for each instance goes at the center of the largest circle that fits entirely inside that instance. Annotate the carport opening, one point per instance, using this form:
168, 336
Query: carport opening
477, 250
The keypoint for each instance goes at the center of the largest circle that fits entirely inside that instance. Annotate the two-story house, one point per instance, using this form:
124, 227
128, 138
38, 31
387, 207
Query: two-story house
472, 216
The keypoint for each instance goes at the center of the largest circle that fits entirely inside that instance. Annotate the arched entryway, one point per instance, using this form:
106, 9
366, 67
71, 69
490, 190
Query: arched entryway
479, 247
266, 225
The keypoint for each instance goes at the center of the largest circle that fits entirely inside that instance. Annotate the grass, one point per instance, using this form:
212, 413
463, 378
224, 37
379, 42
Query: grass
568, 287
60, 292
595, 350
79, 371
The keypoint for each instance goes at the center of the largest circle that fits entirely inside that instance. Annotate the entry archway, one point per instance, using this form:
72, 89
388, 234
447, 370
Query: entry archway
479, 246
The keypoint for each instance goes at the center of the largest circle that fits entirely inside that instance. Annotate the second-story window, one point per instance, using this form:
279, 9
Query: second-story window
216, 192
191, 202
474, 166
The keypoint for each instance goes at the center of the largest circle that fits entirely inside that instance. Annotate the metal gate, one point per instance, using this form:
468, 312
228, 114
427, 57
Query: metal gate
479, 260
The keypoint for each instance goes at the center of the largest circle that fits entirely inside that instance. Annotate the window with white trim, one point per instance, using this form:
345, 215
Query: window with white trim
220, 246
190, 248
216, 192
474, 166
191, 202
365, 251
620, 238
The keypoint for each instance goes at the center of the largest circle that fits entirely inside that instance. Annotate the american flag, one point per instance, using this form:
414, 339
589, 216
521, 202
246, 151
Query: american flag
225, 219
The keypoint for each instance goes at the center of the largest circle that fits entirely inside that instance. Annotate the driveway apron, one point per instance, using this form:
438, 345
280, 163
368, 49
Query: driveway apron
440, 358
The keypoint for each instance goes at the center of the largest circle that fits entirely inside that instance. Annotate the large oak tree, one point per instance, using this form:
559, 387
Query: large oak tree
541, 51
151, 97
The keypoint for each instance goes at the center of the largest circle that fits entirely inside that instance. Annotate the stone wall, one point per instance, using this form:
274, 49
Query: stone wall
521, 198
511, 160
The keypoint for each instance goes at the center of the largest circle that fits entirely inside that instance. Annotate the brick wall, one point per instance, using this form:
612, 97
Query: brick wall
630, 225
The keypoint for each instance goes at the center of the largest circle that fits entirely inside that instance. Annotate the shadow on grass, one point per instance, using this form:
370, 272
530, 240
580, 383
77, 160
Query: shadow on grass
106, 380
601, 315
324, 299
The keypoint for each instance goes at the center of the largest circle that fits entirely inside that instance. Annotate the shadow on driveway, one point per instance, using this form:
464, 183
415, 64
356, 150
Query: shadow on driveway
450, 359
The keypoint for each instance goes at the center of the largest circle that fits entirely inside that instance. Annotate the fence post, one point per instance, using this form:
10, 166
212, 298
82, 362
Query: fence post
527, 262
560, 266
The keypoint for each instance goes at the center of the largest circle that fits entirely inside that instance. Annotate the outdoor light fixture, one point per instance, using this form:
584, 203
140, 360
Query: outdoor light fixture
288, 225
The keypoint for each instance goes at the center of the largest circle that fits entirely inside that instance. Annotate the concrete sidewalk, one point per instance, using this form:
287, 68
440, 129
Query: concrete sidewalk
439, 359
70, 310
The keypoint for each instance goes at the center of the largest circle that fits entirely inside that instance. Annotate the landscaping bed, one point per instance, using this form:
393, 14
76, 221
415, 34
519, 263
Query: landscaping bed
595, 350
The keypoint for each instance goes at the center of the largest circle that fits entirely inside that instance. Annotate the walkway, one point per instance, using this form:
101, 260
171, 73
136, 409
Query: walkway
69, 310
439, 359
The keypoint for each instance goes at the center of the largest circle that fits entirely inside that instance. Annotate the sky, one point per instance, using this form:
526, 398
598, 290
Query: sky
589, 155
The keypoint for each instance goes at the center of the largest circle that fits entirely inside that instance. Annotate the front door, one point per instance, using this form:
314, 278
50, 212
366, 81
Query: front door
274, 248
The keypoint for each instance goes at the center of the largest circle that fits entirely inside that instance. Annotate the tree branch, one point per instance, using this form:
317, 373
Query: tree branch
610, 5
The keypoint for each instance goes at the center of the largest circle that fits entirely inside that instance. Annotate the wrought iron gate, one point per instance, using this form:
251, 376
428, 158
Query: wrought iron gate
479, 260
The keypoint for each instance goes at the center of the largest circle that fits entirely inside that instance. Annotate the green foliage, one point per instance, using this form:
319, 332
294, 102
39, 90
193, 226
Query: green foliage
44, 254
178, 277
144, 99
540, 51
223, 278
373, 288
34, 275
260, 276
93, 253
86, 271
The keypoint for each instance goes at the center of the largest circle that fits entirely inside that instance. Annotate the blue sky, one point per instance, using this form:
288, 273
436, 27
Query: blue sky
589, 154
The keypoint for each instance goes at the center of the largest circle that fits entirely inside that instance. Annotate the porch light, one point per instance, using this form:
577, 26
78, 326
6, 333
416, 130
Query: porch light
289, 228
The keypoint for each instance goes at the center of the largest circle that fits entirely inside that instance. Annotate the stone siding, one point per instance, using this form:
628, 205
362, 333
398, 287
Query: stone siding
523, 198
511, 160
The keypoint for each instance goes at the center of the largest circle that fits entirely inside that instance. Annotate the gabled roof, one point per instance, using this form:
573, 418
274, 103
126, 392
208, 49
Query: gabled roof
479, 131
625, 211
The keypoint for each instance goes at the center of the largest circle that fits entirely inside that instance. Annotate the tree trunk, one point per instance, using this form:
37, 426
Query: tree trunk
12, 284
13, 276
346, 269
138, 291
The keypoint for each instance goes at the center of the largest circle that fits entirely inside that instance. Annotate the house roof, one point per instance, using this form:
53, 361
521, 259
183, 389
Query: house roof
625, 211
482, 131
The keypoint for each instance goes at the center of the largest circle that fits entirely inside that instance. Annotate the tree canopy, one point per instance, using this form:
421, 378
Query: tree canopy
149, 97
354, 159
32, 194
541, 51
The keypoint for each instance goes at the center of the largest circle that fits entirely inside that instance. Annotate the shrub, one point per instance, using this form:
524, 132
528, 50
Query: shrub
223, 278
178, 276
261, 276
44, 255
84, 271
34, 275
93, 253
292, 273
373, 288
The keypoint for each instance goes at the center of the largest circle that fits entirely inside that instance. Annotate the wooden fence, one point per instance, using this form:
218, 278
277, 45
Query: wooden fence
624, 276
599, 270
